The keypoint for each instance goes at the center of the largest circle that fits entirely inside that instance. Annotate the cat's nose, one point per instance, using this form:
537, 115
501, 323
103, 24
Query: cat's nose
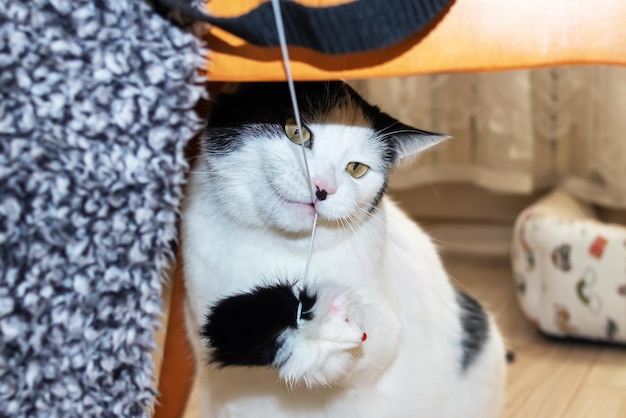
324, 188
321, 194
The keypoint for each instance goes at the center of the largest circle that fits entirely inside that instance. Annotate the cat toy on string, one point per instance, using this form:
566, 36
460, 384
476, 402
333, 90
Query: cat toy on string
299, 132
286, 312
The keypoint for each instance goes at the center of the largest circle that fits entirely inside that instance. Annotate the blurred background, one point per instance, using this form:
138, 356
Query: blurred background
516, 135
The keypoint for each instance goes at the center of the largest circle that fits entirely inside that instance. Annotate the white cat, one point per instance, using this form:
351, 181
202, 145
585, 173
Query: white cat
382, 333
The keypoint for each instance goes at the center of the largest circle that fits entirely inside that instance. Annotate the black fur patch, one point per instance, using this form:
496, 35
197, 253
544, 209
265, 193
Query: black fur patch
265, 107
380, 194
475, 328
245, 329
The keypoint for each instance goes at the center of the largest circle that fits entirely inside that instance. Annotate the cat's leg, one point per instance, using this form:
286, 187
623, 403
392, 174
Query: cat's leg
261, 328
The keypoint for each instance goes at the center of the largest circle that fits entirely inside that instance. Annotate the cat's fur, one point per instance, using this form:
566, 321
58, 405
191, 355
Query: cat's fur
384, 333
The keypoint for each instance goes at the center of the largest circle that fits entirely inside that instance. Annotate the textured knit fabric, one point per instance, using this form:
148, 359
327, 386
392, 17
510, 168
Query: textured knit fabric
95, 108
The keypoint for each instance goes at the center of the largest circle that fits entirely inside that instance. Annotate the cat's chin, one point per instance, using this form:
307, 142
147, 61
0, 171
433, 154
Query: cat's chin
294, 217
305, 208
292, 224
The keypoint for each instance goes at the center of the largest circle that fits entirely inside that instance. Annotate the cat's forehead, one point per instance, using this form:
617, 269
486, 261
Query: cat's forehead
345, 111
322, 102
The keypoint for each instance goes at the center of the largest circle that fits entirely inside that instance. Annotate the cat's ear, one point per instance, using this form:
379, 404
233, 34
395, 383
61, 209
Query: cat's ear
405, 141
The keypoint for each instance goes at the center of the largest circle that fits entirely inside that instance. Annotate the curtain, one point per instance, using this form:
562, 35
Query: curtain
516, 131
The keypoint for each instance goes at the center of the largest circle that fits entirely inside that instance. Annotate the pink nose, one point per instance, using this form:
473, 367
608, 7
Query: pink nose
323, 189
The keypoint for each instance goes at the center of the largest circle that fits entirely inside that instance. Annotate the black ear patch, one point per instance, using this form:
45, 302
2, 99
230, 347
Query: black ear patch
247, 329
475, 327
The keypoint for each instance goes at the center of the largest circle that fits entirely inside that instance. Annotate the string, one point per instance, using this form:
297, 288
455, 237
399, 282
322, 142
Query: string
278, 18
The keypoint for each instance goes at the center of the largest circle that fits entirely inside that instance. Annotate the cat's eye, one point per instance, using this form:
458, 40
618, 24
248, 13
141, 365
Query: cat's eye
291, 130
356, 170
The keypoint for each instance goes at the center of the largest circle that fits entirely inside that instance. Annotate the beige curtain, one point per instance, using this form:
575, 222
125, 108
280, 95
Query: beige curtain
517, 131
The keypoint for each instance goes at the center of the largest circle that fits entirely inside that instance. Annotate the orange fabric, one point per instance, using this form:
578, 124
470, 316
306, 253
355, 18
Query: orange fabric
178, 366
472, 35
240, 7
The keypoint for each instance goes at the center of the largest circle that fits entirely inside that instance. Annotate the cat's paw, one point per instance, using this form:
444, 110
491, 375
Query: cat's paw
326, 344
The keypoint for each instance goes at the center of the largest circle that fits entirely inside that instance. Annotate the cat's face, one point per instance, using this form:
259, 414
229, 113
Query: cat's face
255, 164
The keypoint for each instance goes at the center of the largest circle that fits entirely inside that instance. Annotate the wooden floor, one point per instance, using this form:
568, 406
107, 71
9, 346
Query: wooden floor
548, 379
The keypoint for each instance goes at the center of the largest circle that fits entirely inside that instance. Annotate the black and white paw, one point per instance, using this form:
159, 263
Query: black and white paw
261, 328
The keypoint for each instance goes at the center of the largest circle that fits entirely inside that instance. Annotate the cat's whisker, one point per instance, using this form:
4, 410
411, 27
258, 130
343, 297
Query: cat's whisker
267, 222
377, 239
386, 213
437, 240
433, 239
345, 223
364, 218
457, 282
430, 182
374, 240
214, 182
363, 223
369, 217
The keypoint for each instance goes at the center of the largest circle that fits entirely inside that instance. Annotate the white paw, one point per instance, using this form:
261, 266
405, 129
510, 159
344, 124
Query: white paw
325, 348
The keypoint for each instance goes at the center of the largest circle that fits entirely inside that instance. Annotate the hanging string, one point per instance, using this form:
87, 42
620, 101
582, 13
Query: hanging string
296, 110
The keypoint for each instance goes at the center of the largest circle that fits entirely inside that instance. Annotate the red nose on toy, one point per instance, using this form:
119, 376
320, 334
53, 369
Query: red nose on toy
364, 337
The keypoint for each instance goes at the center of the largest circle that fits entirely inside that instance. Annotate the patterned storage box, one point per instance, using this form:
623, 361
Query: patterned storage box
570, 270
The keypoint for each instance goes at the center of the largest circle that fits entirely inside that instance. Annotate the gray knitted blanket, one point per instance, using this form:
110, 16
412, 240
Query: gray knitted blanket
95, 109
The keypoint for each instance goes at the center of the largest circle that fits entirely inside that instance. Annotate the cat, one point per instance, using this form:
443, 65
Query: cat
377, 329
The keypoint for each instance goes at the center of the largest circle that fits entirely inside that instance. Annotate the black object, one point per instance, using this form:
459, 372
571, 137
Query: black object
510, 356
248, 329
357, 26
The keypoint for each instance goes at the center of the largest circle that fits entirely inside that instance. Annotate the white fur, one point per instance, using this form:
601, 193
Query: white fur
322, 350
379, 270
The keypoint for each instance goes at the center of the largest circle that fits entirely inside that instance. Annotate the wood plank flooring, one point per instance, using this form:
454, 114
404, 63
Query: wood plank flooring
549, 378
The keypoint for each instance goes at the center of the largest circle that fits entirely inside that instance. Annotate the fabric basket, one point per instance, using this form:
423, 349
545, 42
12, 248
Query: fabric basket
570, 270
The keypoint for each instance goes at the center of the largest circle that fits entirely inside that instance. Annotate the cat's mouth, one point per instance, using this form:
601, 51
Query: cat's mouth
306, 210
300, 210
308, 207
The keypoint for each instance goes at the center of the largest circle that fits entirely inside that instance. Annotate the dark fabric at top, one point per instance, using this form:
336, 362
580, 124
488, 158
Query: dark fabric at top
358, 26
